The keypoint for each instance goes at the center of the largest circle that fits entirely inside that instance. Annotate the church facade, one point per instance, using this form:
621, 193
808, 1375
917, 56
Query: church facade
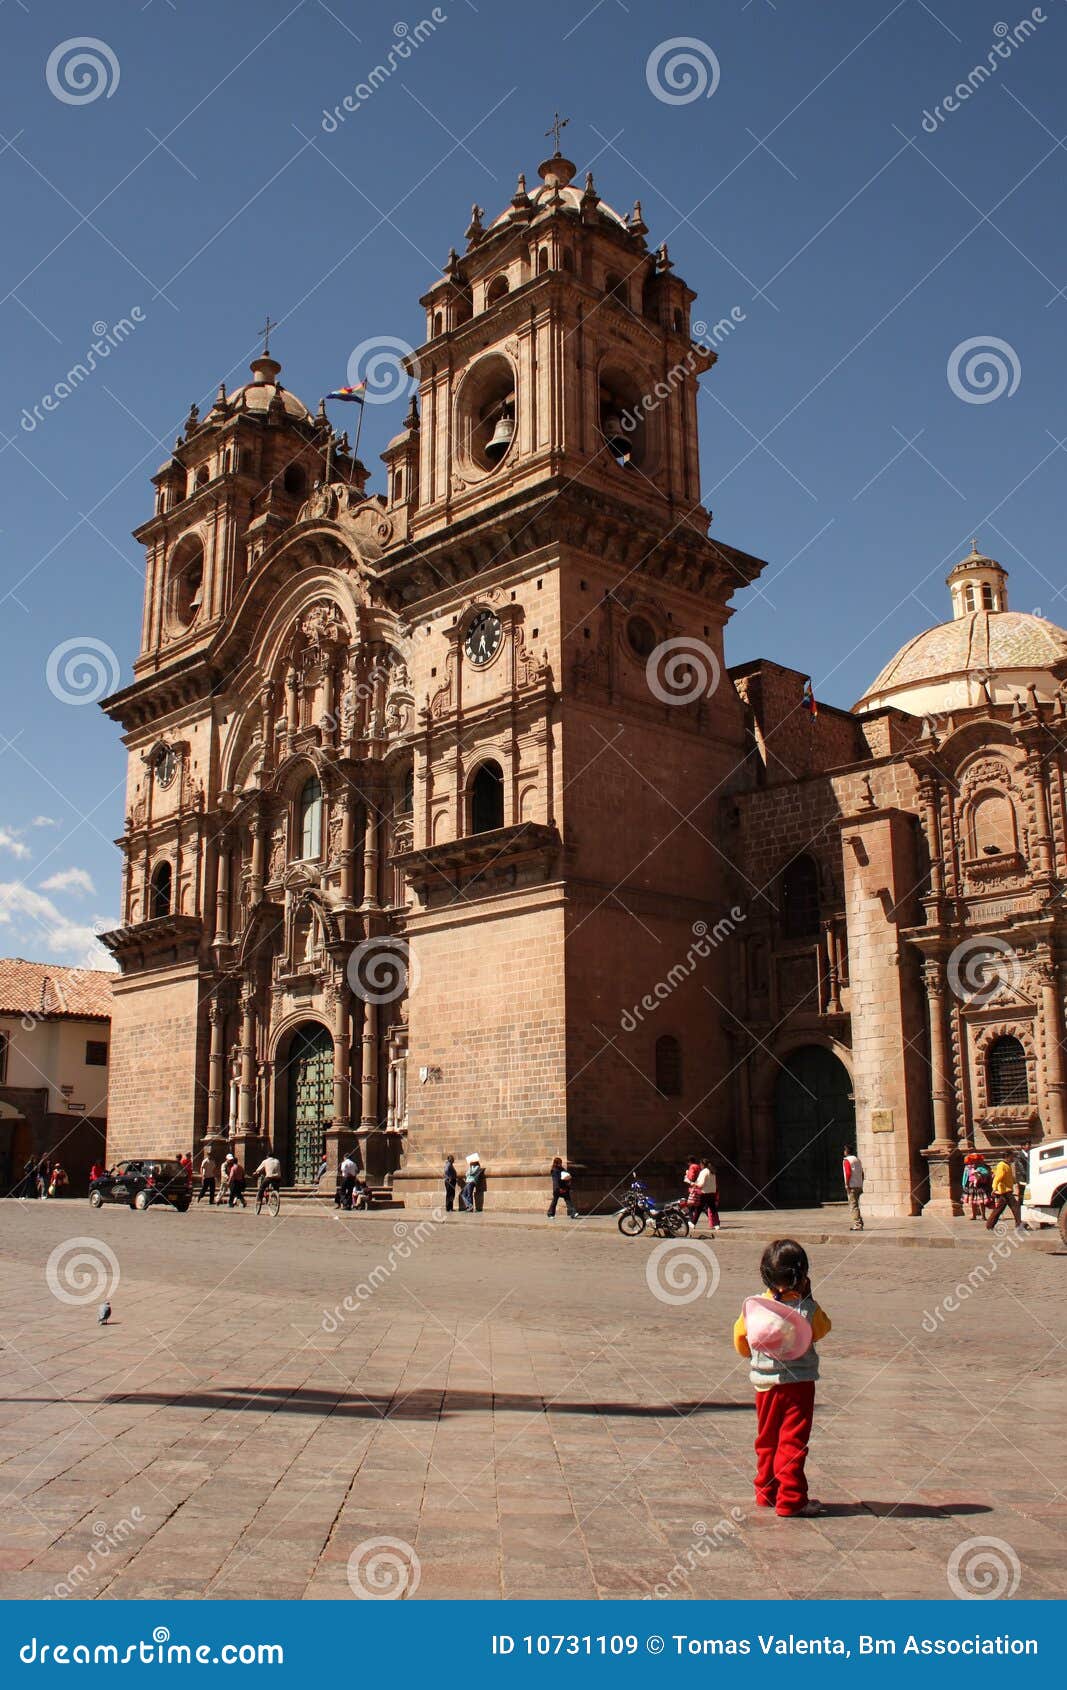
448, 828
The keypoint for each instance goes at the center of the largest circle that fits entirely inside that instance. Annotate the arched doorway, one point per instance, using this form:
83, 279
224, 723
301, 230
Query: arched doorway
306, 1085
814, 1117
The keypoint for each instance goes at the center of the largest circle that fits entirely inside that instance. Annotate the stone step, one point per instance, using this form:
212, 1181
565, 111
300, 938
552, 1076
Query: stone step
381, 1195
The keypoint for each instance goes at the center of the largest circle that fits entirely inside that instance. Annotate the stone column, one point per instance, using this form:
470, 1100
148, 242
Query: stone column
292, 704
1035, 769
348, 847
259, 851
369, 1084
370, 853
222, 891
942, 1153
1052, 1027
246, 1124
342, 1102
216, 1068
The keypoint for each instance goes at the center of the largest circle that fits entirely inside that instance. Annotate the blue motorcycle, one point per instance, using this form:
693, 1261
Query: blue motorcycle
640, 1209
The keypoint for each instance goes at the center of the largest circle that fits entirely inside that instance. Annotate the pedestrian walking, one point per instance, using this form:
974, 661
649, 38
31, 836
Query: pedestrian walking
976, 1185
1004, 1195
42, 1177
561, 1187
209, 1173
235, 1186
852, 1173
778, 1331
451, 1182
321, 1170
349, 1174
707, 1196
472, 1196
57, 1180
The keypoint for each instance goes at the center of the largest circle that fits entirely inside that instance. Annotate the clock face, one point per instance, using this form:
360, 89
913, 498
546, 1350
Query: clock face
483, 637
166, 764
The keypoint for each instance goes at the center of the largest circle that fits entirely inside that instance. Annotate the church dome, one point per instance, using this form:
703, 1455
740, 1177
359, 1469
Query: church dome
257, 394
557, 188
986, 654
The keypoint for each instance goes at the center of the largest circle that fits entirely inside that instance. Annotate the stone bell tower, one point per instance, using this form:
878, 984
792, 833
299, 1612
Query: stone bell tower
567, 609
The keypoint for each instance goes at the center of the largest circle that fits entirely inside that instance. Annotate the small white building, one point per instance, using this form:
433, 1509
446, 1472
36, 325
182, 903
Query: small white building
55, 1034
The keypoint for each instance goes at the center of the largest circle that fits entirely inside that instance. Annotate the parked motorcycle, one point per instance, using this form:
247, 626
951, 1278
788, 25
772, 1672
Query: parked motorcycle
640, 1210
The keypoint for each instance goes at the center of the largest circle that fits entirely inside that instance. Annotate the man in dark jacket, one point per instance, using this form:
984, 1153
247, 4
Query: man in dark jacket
451, 1182
561, 1187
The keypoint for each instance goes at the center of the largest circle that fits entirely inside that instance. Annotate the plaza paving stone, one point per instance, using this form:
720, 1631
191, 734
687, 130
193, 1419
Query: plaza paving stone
515, 1406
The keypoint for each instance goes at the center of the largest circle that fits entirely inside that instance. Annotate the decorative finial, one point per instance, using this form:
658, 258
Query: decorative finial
265, 331
558, 125
522, 182
411, 421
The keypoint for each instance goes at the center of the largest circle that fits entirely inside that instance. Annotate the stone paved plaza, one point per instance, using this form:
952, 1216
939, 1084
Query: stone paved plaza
516, 1406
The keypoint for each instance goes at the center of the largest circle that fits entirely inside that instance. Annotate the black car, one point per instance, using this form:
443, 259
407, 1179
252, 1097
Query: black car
142, 1183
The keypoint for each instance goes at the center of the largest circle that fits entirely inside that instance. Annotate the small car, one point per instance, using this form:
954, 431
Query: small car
142, 1182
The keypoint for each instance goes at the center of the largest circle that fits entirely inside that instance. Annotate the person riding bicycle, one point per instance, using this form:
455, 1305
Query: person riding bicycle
270, 1178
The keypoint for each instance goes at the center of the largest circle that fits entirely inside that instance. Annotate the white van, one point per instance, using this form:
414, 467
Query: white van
1045, 1195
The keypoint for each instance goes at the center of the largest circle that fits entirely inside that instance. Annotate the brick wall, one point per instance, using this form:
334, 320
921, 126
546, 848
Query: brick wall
154, 1093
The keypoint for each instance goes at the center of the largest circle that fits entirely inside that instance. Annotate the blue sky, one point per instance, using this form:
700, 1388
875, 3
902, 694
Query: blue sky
200, 190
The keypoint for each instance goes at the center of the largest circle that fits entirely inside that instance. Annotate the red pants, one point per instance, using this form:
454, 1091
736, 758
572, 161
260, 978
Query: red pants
783, 1427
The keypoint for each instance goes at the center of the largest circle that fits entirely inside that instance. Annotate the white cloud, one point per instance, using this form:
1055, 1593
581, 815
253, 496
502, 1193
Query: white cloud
33, 923
44, 821
68, 880
9, 842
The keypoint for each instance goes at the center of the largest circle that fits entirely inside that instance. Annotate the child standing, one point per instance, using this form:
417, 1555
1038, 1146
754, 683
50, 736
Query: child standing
778, 1331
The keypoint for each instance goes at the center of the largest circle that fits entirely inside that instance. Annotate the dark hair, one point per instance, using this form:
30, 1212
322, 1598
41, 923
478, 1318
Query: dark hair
784, 1265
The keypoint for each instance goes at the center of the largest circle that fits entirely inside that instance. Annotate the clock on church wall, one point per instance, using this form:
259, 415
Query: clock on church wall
482, 639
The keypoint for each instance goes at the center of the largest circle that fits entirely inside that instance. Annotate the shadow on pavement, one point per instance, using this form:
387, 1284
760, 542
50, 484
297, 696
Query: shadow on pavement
419, 1405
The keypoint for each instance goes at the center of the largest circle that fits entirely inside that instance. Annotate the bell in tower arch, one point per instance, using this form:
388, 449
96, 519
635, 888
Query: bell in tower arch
503, 433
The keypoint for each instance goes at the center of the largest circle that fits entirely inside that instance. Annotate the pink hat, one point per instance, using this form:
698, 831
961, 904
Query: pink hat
775, 1329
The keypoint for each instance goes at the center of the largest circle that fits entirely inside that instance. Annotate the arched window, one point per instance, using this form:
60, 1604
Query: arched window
295, 481
159, 891
438, 323
497, 288
186, 581
968, 598
311, 819
987, 597
668, 1066
616, 286
542, 260
487, 798
398, 486
800, 898
1006, 1078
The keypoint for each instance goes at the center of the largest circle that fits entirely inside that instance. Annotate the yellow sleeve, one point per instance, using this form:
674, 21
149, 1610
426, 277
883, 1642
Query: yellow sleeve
741, 1336
820, 1324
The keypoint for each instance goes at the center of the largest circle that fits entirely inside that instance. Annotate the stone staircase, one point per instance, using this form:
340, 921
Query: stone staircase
322, 1195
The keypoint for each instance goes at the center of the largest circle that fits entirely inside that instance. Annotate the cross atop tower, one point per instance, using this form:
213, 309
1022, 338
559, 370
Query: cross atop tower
265, 331
558, 125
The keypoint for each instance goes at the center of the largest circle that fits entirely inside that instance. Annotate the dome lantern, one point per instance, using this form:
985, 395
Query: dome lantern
977, 583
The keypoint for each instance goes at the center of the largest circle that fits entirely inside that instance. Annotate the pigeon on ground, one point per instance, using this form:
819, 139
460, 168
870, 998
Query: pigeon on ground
103, 1314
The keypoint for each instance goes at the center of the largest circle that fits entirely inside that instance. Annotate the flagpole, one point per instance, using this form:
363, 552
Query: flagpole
355, 449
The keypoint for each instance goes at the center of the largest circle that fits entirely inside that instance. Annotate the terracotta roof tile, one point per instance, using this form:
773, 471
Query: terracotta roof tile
47, 988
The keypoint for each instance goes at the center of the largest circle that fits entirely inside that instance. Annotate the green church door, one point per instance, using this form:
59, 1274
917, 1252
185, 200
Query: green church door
310, 1068
814, 1118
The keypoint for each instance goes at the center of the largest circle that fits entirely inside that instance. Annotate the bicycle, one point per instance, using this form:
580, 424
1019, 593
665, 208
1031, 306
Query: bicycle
267, 1197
